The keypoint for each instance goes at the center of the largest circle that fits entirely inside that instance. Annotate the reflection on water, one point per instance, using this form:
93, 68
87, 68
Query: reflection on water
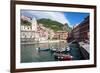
29, 53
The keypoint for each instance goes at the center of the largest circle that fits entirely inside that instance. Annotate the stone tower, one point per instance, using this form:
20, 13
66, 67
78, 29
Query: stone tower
34, 24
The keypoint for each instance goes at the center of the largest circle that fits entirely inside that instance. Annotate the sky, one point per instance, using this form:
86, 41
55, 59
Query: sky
72, 18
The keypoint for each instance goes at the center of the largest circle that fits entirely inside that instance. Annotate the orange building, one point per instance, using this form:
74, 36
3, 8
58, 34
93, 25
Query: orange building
61, 35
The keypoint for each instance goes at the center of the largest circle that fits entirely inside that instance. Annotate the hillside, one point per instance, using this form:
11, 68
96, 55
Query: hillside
67, 28
56, 26
25, 23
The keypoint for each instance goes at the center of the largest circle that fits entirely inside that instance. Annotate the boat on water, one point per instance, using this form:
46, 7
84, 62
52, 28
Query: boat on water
63, 57
57, 50
61, 49
53, 50
42, 49
67, 48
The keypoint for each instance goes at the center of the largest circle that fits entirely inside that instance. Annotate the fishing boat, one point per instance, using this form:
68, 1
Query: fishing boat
67, 48
42, 49
63, 57
53, 50
58, 50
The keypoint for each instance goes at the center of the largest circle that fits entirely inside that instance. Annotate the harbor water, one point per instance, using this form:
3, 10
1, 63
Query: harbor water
30, 52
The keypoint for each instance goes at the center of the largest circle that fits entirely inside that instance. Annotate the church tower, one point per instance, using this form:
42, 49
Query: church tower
34, 24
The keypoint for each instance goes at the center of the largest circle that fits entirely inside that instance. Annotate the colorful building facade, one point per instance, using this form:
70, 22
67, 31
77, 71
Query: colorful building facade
61, 35
80, 32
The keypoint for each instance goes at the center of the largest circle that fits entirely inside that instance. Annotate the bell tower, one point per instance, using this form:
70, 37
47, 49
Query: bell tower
34, 24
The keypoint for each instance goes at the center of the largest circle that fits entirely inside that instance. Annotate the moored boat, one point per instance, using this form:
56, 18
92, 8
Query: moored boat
53, 49
63, 57
42, 49
58, 49
67, 48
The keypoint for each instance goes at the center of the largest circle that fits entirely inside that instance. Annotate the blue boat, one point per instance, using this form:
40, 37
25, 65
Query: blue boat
42, 49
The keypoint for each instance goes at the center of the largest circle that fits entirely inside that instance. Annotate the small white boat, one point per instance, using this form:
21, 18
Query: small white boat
68, 48
58, 50
37, 48
63, 49
53, 49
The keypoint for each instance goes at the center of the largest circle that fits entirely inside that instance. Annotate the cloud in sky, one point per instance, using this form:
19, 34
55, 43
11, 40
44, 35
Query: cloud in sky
57, 16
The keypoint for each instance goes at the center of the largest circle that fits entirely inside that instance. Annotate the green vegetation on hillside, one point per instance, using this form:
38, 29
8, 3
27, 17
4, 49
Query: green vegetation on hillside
25, 23
54, 25
67, 28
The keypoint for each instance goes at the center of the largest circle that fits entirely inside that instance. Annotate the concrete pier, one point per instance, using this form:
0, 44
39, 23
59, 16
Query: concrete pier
84, 49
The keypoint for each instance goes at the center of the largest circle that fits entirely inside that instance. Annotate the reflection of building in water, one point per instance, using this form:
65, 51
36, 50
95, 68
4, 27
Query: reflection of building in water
80, 32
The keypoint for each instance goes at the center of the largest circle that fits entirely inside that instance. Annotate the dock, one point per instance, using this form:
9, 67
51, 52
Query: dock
84, 49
